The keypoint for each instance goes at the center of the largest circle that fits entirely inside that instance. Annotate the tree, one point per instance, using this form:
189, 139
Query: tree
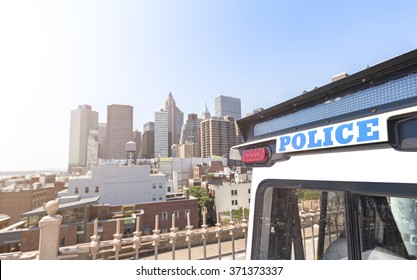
203, 198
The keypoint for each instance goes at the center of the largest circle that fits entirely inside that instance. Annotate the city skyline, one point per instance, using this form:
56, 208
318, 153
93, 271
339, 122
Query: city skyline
58, 55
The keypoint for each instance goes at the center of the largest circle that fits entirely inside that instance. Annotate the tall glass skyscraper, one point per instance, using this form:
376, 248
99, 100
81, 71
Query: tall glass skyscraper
161, 134
228, 106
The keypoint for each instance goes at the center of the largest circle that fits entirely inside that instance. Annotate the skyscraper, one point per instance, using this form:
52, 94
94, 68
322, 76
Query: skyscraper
119, 130
175, 120
83, 120
137, 138
101, 139
218, 135
228, 106
162, 147
148, 140
190, 137
189, 131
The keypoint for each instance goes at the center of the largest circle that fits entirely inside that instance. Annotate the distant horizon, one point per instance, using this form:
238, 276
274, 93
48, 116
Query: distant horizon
5, 172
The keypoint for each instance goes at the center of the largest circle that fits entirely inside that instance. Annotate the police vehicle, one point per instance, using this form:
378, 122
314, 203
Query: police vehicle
335, 169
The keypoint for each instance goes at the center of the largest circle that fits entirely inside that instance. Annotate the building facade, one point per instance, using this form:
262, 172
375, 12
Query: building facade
119, 130
148, 141
175, 120
119, 185
228, 106
230, 196
190, 137
137, 138
162, 145
218, 135
83, 120
92, 149
101, 139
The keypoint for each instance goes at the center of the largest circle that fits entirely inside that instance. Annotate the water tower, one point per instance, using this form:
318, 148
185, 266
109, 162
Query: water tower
130, 148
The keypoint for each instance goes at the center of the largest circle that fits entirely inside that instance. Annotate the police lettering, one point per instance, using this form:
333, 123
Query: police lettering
349, 133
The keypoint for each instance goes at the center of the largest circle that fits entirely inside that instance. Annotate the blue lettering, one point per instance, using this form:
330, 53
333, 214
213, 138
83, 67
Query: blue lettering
339, 133
312, 142
365, 129
298, 141
284, 141
327, 136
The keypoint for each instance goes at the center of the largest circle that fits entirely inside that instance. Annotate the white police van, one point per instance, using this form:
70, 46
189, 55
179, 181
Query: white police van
334, 170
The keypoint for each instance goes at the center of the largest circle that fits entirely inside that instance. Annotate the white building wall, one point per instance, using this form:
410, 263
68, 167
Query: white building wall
184, 167
118, 185
224, 197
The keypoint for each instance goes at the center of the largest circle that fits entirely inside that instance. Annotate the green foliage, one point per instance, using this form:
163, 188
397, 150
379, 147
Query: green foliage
238, 214
201, 195
203, 200
308, 195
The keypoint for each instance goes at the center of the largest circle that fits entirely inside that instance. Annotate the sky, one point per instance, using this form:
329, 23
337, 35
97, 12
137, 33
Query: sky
57, 55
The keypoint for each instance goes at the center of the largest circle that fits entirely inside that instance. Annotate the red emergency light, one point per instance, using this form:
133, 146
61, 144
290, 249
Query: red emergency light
256, 155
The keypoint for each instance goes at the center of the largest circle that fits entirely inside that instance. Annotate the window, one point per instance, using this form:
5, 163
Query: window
164, 216
160, 198
154, 186
177, 214
291, 224
249, 191
160, 185
387, 227
76, 190
234, 202
97, 189
87, 190
234, 192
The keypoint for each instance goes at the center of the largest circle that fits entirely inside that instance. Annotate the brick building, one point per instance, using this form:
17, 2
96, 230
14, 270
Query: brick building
74, 221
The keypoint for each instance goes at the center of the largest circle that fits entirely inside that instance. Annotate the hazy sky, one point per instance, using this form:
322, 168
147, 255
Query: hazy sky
56, 55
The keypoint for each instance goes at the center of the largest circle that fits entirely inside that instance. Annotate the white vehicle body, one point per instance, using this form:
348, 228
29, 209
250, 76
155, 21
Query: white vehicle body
359, 164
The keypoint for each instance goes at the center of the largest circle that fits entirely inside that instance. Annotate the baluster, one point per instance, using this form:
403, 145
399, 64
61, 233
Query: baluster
244, 226
156, 237
173, 235
117, 241
137, 239
95, 241
218, 235
204, 232
311, 217
232, 229
189, 235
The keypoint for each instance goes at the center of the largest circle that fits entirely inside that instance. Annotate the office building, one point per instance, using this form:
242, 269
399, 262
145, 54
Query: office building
101, 139
175, 120
162, 147
137, 138
119, 130
228, 106
83, 120
190, 137
148, 141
